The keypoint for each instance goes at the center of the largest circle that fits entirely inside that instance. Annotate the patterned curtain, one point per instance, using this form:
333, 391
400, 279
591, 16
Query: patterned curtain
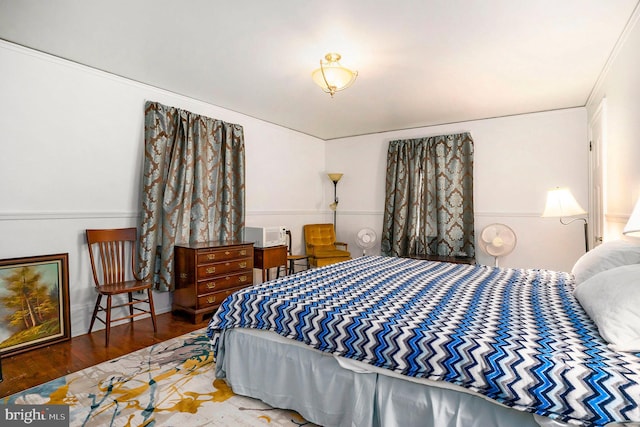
429, 197
193, 186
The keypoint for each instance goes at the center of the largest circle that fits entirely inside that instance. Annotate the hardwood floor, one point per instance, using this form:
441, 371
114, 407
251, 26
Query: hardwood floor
38, 366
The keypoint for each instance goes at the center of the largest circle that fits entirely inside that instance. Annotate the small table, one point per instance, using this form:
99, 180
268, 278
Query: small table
266, 258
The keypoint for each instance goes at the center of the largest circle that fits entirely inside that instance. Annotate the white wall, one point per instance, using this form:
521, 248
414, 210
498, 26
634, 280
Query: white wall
620, 85
517, 159
71, 159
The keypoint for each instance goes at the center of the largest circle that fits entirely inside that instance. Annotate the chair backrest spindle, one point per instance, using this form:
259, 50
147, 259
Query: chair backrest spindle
288, 232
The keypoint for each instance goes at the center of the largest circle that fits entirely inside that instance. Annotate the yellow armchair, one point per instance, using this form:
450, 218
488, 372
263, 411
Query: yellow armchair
321, 246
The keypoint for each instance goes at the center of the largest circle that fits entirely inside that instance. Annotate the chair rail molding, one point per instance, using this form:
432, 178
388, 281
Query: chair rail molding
45, 216
60, 215
617, 217
477, 214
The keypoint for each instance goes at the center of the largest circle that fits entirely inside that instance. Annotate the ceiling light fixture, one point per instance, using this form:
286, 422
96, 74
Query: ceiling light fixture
331, 76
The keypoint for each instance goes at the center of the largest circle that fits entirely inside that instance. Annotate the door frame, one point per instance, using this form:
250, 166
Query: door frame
597, 174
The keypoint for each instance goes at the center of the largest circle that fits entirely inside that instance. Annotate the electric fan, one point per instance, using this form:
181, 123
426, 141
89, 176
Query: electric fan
366, 239
497, 240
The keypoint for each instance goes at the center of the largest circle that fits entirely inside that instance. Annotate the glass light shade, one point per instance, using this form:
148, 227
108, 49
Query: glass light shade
331, 76
335, 177
633, 224
561, 203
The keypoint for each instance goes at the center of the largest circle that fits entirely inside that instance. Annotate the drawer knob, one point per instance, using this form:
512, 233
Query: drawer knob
242, 264
183, 275
243, 252
211, 285
211, 270
243, 278
211, 256
227, 252
211, 299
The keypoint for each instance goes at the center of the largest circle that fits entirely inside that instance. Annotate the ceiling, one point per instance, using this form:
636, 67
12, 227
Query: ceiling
420, 63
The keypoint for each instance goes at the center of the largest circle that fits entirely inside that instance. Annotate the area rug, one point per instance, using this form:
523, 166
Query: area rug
168, 384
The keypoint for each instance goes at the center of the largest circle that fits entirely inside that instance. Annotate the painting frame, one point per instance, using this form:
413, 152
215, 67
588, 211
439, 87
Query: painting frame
34, 302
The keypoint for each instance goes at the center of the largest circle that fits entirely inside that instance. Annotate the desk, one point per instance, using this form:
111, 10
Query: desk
266, 258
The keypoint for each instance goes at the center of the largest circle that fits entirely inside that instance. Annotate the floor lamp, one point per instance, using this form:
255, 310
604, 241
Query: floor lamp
562, 204
334, 177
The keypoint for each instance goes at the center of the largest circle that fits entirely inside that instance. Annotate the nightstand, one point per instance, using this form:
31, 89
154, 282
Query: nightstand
270, 257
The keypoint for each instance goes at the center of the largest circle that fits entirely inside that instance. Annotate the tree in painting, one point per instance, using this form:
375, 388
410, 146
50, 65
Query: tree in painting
31, 304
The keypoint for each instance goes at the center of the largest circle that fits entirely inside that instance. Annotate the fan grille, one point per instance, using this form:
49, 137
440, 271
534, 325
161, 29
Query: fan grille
498, 240
366, 238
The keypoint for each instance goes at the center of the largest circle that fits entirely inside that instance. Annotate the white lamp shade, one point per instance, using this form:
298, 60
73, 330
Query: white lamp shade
633, 225
561, 203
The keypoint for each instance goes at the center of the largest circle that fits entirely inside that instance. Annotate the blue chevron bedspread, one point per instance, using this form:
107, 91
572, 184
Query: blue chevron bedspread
517, 336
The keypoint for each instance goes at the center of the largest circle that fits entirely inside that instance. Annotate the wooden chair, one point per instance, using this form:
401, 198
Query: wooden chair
322, 248
292, 258
110, 251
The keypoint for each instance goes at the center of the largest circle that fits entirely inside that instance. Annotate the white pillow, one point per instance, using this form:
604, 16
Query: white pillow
607, 255
612, 300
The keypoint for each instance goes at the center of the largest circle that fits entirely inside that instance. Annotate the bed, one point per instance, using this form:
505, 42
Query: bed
384, 341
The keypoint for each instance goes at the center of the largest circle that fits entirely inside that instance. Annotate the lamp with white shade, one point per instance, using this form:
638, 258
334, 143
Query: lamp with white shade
562, 204
632, 228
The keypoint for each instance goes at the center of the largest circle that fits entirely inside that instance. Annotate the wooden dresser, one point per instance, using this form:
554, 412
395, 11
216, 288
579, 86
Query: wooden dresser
206, 273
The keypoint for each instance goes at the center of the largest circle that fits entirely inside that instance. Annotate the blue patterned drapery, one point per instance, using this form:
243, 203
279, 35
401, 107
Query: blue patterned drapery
193, 186
429, 197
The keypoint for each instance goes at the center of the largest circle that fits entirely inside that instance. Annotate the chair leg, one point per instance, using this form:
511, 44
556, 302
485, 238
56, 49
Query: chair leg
130, 296
95, 312
108, 323
152, 309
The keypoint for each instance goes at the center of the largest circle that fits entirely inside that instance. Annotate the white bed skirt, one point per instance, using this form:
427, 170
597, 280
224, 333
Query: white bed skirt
286, 374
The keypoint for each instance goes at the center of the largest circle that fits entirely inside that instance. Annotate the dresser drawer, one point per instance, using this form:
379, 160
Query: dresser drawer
214, 299
218, 268
207, 256
224, 282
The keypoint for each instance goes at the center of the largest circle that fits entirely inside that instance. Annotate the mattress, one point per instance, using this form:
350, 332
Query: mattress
515, 336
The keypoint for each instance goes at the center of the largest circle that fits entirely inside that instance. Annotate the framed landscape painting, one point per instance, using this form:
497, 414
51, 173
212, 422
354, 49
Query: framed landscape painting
34, 302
